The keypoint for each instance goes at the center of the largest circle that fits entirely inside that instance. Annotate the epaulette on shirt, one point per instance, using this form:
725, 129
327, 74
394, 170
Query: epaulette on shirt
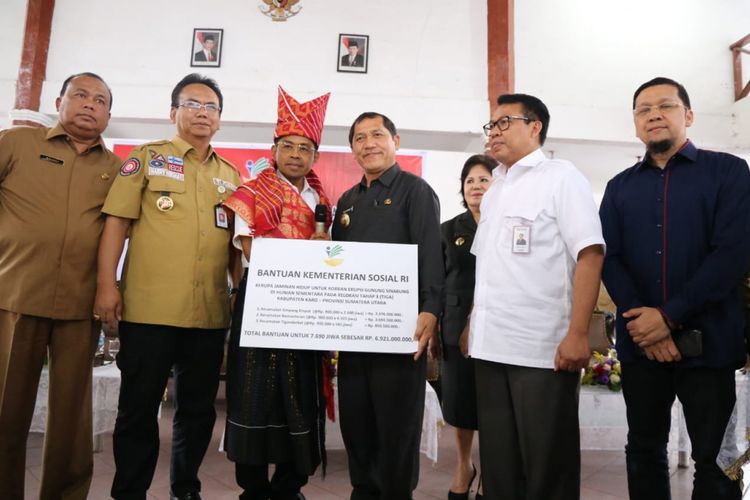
225, 161
157, 143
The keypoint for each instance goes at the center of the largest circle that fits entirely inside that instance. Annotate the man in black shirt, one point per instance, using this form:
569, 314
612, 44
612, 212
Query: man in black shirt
381, 396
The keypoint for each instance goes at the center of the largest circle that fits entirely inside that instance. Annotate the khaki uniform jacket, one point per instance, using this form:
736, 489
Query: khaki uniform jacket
50, 221
177, 260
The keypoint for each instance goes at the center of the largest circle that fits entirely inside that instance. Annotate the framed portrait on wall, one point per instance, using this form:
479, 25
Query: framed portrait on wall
353, 54
206, 47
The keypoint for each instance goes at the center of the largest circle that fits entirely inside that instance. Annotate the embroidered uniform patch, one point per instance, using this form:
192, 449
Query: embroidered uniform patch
131, 166
156, 156
179, 169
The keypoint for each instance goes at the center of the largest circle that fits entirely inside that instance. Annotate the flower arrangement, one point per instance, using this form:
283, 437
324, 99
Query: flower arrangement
604, 370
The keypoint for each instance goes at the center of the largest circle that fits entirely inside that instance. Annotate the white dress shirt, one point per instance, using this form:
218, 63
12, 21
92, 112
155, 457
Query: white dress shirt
523, 301
241, 228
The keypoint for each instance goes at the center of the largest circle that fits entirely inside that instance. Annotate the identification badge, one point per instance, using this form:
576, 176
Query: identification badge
221, 218
164, 203
521, 239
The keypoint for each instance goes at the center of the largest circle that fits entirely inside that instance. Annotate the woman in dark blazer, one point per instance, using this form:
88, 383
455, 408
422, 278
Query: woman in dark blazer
457, 377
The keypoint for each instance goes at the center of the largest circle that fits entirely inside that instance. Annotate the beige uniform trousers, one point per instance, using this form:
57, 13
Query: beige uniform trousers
67, 459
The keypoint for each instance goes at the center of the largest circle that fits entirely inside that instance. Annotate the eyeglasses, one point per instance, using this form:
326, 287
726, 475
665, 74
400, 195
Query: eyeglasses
663, 108
503, 123
288, 148
194, 106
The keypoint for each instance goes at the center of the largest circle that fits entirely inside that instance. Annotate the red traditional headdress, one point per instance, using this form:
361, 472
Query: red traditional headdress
305, 119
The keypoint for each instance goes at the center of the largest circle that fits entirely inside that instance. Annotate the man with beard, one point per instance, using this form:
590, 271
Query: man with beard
676, 228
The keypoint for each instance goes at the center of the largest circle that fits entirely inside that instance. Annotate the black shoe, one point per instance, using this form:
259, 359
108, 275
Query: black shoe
192, 495
296, 496
463, 496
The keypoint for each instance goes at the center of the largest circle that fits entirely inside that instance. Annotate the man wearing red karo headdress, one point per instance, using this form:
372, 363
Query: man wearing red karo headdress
276, 402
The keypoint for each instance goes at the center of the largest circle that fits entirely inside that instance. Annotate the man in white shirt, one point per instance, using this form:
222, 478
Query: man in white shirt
539, 251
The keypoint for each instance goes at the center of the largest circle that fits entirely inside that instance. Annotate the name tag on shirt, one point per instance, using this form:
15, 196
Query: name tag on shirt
521, 239
51, 159
174, 172
228, 186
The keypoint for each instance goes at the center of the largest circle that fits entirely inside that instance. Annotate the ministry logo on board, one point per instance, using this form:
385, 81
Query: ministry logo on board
333, 252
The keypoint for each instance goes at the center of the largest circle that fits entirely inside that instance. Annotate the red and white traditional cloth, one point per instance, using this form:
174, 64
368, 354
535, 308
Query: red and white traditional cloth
272, 208
305, 119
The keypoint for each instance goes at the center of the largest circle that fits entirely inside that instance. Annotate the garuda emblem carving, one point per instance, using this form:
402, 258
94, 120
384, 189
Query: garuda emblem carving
280, 10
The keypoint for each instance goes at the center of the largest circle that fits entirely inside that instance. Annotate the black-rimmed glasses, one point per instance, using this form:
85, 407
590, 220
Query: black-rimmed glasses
503, 123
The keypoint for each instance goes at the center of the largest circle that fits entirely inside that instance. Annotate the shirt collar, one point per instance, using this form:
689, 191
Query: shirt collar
530, 160
386, 178
58, 130
467, 219
687, 151
305, 186
183, 147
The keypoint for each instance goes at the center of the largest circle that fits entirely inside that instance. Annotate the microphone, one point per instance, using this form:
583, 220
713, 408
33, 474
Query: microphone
321, 212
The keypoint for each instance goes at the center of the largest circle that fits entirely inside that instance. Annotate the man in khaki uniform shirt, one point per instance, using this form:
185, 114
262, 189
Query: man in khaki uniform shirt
174, 308
53, 183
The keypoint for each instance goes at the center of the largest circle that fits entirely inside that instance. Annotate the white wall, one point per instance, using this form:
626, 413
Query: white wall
427, 57
12, 23
585, 58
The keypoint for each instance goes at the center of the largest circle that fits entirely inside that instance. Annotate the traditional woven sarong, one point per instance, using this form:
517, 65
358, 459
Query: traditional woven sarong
275, 397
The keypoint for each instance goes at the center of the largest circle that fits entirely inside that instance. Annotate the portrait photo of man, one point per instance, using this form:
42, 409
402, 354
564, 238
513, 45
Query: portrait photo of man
353, 58
353, 53
206, 49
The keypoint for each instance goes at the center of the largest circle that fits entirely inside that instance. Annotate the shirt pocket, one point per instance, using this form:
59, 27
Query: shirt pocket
174, 189
520, 215
389, 222
94, 191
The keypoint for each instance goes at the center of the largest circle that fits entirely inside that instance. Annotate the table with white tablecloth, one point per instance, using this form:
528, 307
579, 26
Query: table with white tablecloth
604, 424
105, 393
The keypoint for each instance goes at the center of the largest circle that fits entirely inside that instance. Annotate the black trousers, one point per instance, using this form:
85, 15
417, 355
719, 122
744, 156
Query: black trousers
147, 354
529, 441
381, 405
707, 396
284, 485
